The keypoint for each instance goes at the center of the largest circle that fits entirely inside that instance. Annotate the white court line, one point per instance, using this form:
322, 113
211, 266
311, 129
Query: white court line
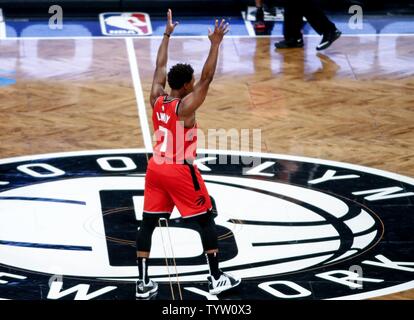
139, 94
248, 25
205, 37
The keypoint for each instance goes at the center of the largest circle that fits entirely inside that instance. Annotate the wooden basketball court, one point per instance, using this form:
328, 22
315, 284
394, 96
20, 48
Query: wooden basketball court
353, 103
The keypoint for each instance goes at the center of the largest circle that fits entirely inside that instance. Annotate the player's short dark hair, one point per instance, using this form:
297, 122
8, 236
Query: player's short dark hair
180, 74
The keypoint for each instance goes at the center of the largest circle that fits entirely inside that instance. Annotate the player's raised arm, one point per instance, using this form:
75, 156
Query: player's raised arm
160, 74
191, 102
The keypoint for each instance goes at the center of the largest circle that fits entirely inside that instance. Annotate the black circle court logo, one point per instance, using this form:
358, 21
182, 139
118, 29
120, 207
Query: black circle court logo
290, 227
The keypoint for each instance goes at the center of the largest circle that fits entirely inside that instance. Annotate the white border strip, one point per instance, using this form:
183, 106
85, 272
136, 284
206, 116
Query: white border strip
205, 37
248, 25
2, 25
139, 94
378, 293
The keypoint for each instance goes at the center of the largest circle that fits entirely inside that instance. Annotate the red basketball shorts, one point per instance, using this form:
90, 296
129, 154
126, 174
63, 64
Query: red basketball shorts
180, 185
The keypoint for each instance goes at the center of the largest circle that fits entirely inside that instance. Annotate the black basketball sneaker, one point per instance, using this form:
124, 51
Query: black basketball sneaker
289, 43
328, 39
145, 290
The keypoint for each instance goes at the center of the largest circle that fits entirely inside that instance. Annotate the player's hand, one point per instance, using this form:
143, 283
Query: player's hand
217, 35
169, 28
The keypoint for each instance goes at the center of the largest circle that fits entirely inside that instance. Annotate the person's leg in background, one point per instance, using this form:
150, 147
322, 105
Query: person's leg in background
292, 25
263, 8
259, 25
316, 17
318, 20
259, 10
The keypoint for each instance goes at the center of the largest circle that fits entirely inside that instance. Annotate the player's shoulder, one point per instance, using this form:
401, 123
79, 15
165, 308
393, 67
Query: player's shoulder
171, 103
159, 101
161, 98
169, 99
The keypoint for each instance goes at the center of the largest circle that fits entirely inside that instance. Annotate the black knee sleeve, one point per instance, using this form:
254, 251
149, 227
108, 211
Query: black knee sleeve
207, 228
144, 234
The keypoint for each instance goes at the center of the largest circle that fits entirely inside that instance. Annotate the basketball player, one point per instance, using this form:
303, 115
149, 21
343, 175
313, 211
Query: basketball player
171, 178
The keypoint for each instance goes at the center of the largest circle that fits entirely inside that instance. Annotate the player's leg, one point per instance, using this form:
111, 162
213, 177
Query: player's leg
157, 203
145, 286
218, 280
192, 200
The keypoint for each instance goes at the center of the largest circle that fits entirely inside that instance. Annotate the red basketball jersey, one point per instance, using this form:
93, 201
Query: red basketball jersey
175, 143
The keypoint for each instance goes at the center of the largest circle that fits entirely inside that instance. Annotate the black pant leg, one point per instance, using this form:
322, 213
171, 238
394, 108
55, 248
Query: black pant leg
293, 20
318, 20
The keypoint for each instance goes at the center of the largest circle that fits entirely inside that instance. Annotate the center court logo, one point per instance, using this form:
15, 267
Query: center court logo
291, 227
